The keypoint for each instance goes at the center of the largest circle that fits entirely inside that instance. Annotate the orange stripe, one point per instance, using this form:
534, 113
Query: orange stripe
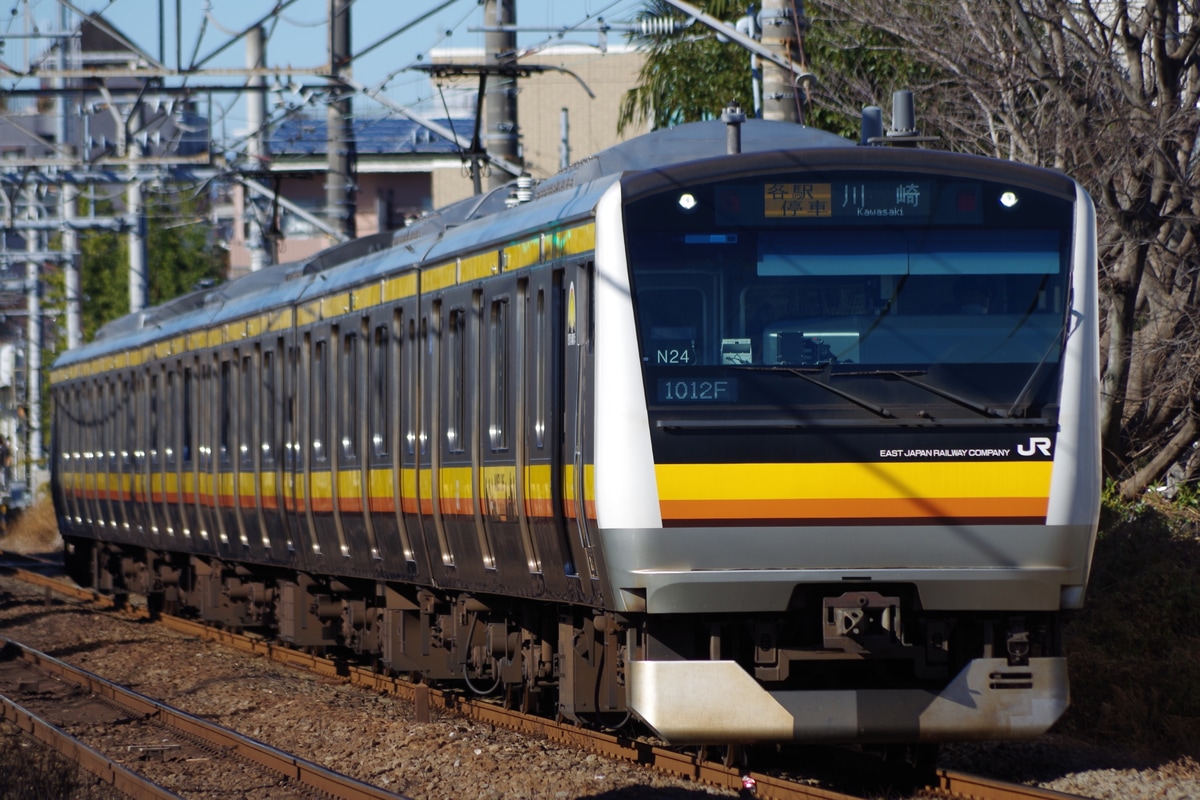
864, 508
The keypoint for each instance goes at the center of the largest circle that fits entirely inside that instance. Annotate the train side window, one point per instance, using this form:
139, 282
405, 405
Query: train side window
456, 354
267, 404
246, 389
320, 405
186, 417
539, 366
499, 388
381, 379
169, 423
349, 417
225, 409
410, 347
152, 422
291, 444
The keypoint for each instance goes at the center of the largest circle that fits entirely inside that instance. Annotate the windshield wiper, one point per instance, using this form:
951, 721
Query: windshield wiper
978, 408
806, 375
1020, 404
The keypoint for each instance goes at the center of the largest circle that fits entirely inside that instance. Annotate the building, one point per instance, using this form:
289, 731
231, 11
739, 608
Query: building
404, 169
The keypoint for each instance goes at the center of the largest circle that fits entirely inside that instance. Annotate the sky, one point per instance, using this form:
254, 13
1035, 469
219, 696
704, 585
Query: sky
297, 35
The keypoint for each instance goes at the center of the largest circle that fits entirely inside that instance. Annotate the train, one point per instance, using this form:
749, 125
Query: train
794, 440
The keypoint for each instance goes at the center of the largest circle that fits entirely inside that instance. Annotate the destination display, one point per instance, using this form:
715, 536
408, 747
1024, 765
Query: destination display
866, 202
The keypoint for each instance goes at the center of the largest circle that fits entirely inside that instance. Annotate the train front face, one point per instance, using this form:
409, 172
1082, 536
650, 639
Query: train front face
847, 460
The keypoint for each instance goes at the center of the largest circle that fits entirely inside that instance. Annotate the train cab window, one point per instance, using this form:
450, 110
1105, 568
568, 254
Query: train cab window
498, 336
380, 380
673, 321
349, 417
320, 403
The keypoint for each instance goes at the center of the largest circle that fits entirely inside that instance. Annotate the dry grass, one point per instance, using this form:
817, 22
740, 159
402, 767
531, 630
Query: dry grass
35, 530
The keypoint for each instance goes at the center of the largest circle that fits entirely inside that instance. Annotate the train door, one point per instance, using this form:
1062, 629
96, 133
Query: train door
206, 476
457, 484
248, 458
413, 445
87, 466
380, 445
269, 508
428, 457
500, 437
172, 456
542, 457
104, 479
318, 464
187, 461
146, 423
577, 415
351, 454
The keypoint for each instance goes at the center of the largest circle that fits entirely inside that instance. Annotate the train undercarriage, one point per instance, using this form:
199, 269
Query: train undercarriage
576, 662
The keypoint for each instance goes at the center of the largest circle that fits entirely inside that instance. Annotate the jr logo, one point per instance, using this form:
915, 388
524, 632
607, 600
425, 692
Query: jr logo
1036, 444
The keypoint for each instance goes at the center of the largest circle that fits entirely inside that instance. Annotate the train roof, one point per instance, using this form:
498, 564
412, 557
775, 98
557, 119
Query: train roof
473, 223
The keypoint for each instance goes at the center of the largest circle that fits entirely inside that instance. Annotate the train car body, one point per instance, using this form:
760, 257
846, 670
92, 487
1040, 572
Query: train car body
795, 444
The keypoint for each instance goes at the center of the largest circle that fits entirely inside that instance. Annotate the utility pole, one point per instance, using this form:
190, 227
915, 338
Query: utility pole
782, 97
339, 123
67, 193
138, 281
257, 242
33, 355
502, 139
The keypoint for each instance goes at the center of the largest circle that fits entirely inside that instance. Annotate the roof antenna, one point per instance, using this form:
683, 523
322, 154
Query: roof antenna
871, 132
733, 116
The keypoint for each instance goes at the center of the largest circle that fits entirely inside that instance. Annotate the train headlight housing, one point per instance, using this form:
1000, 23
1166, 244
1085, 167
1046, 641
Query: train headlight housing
687, 201
1009, 199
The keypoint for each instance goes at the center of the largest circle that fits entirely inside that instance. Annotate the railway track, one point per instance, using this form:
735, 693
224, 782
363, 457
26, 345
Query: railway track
427, 699
44, 696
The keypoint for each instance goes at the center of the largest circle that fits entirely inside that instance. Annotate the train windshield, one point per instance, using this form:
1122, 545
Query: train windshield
901, 294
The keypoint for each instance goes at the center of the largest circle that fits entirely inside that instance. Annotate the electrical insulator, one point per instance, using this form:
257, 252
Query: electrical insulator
662, 26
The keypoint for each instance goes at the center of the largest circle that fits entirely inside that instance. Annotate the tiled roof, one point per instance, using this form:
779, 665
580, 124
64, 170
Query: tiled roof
372, 136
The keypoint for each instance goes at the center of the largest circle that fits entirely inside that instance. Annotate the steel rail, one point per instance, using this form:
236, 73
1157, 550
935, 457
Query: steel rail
95, 762
301, 771
950, 784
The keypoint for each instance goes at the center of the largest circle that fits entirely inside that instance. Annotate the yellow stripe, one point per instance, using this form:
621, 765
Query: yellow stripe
400, 287
521, 255
308, 314
335, 305
366, 296
246, 484
267, 482
171, 483
438, 277
380, 482
321, 485
349, 483
280, 320
853, 481
226, 483
408, 482
480, 266
455, 482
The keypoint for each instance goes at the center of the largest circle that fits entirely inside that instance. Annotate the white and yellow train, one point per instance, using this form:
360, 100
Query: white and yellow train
795, 444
